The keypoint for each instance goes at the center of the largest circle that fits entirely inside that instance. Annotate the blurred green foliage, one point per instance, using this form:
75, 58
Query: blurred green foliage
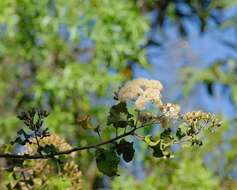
67, 57
184, 175
42, 49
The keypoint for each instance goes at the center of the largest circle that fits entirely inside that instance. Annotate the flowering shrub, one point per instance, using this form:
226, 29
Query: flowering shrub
42, 155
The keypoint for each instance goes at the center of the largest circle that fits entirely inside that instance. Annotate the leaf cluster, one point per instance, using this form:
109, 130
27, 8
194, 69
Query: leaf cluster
33, 120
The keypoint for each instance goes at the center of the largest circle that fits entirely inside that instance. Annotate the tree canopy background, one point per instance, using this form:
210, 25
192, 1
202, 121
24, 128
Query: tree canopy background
69, 57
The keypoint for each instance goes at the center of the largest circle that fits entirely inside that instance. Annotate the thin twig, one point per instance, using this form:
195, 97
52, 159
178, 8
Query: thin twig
116, 131
140, 137
37, 140
38, 156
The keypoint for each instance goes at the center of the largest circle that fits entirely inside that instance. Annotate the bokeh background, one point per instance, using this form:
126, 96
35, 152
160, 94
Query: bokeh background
69, 56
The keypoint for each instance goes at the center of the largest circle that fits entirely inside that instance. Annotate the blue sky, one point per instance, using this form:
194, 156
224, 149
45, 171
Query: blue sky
199, 51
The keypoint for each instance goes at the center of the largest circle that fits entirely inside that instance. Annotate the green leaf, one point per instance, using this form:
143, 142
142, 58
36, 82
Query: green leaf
63, 158
19, 140
5, 148
157, 152
161, 150
159, 147
107, 161
166, 134
150, 142
196, 142
180, 133
119, 115
126, 149
22, 138
47, 149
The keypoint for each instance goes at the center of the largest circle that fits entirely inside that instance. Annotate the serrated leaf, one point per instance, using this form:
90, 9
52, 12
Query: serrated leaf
125, 149
119, 115
107, 161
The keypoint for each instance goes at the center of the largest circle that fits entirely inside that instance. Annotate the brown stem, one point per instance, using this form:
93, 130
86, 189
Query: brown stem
38, 156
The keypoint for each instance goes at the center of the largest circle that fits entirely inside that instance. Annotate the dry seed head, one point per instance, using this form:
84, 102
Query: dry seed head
193, 117
41, 168
59, 142
146, 117
197, 115
171, 111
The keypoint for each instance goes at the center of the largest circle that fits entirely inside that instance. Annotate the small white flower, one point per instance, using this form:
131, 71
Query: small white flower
129, 92
170, 110
141, 102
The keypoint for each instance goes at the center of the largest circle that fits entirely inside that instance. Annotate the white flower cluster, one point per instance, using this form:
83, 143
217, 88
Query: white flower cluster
142, 91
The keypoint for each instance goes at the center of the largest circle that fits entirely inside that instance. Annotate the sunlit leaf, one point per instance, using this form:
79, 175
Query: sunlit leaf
151, 142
